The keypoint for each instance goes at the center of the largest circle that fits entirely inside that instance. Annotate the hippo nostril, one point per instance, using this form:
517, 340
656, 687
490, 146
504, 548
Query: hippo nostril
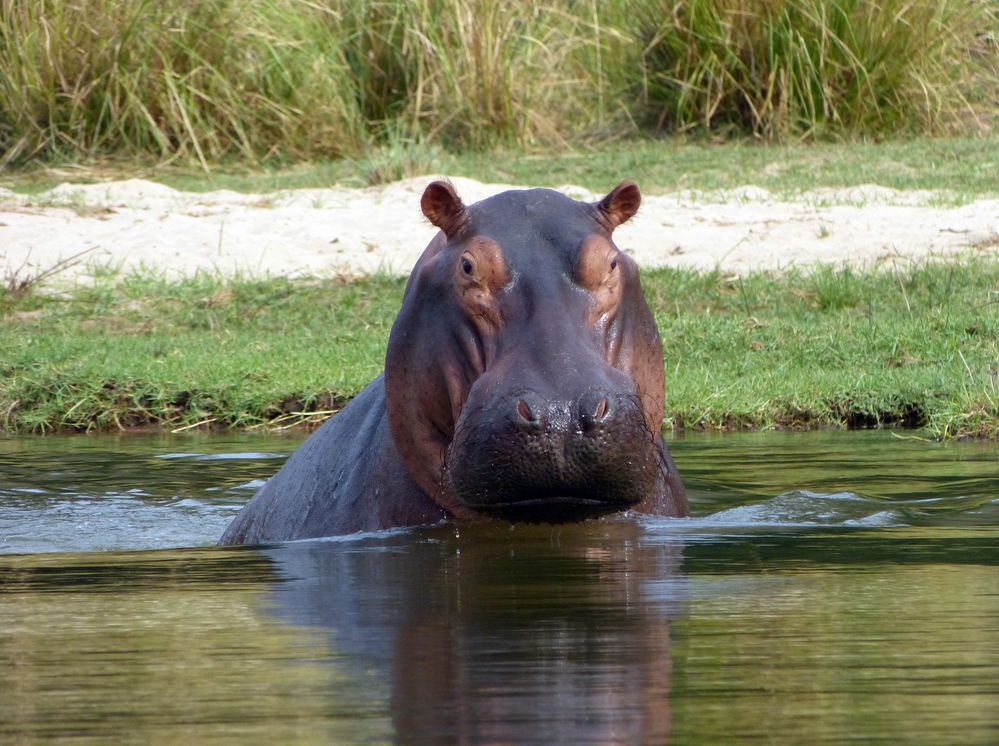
525, 411
525, 416
594, 409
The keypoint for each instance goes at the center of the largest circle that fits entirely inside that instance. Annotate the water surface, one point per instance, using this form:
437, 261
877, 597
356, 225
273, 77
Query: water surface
830, 587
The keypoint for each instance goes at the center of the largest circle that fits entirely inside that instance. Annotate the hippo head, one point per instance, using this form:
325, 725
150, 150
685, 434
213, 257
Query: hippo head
524, 373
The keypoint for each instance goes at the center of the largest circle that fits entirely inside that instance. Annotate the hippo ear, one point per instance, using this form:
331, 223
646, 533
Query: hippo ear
443, 207
621, 204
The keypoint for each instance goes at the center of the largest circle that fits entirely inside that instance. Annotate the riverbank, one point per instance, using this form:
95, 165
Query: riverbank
789, 290
89, 230
912, 346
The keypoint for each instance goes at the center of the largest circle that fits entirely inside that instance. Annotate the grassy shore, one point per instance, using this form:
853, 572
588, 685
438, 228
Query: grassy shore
914, 348
956, 168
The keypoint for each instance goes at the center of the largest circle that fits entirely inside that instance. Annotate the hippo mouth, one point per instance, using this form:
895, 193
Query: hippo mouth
551, 509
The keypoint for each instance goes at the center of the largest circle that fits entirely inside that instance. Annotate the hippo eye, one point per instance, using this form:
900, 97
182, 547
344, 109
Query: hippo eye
613, 265
466, 265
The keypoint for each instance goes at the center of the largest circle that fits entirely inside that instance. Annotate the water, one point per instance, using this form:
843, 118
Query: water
830, 587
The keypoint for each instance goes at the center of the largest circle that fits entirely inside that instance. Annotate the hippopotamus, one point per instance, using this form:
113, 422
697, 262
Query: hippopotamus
523, 382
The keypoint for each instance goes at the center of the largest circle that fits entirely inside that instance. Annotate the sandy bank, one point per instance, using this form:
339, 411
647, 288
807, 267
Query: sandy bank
143, 225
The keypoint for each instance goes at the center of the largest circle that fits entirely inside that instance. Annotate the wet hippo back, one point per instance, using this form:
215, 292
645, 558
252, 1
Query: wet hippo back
346, 477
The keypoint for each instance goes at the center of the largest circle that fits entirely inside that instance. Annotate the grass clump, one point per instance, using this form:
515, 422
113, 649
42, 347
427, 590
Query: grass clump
175, 80
803, 67
468, 73
830, 348
258, 80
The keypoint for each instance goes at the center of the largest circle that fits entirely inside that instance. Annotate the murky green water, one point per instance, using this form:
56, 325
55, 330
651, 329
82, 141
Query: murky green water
831, 587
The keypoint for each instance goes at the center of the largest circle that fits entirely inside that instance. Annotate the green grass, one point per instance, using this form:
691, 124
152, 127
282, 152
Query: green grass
918, 348
965, 167
190, 82
914, 348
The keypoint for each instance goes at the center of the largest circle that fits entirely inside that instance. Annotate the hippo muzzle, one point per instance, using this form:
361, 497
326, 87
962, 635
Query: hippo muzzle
533, 457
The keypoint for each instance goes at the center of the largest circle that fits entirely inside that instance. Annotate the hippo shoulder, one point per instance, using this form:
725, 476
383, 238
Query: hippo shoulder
346, 477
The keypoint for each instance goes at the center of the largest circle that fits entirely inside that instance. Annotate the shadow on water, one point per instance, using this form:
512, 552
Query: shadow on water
830, 587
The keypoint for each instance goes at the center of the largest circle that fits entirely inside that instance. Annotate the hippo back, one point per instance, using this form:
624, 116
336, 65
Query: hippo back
346, 477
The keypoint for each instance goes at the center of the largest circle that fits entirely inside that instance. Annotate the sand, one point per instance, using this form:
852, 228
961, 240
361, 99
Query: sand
141, 225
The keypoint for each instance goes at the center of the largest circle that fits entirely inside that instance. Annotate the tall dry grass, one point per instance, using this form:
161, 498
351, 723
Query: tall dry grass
468, 72
190, 79
802, 67
206, 80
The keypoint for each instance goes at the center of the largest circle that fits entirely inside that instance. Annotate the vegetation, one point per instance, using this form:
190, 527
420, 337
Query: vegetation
263, 80
957, 168
836, 347
803, 67
377, 90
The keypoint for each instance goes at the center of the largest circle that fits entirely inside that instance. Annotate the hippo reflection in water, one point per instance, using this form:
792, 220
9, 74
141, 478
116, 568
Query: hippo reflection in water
523, 381
483, 635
